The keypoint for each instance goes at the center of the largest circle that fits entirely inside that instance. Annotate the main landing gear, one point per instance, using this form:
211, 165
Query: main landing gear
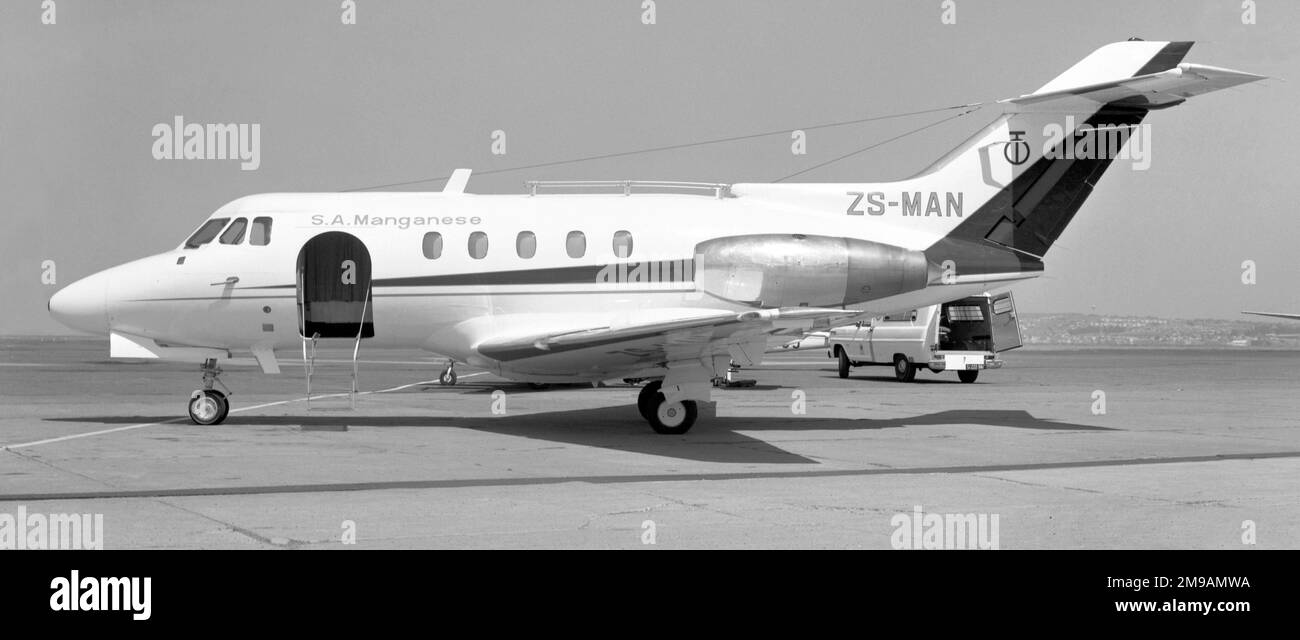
448, 377
209, 406
668, 418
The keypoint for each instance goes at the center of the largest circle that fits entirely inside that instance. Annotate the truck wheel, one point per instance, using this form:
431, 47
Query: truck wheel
844, 363
903, 370
968, 375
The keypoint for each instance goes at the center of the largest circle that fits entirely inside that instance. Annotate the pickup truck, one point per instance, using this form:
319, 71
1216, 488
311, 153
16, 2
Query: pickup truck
963, 335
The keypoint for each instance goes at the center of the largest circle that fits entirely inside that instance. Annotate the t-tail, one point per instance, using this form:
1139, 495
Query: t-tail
1025, 175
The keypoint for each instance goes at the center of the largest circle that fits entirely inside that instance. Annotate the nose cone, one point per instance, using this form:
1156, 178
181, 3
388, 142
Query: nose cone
82, 304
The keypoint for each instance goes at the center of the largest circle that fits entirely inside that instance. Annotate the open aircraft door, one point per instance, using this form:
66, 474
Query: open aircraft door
1005, 324
334, 287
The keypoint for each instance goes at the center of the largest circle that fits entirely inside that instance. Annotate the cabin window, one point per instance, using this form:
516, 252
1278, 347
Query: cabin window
623, 244
261, 233
433, 245
576, 244
526, 244
478, 245
235, 232
206, 233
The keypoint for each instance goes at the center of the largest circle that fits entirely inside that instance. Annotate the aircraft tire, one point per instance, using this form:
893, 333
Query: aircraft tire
673, 418
648, 396
208, 407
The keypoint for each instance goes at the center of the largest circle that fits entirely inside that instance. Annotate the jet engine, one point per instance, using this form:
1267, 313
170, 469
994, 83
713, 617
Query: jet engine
784, 270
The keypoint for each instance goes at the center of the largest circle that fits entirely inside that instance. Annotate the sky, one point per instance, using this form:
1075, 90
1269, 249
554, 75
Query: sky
413, 90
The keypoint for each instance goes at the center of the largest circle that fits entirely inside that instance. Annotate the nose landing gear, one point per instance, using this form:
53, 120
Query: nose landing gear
448, 377
208, 406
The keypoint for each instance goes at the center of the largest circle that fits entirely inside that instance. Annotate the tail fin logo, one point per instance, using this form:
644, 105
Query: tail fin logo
1017, 150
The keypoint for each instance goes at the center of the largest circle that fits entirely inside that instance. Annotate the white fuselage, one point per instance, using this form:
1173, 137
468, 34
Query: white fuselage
198, 302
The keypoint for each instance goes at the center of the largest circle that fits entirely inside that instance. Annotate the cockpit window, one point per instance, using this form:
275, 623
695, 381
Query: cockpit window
261, 235
206, 233
235, 233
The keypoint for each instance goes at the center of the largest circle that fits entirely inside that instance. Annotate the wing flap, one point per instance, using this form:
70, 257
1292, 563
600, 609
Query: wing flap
657, 335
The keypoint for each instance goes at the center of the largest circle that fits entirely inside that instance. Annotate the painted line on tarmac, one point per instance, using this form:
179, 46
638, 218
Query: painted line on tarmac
142, 425
632, 479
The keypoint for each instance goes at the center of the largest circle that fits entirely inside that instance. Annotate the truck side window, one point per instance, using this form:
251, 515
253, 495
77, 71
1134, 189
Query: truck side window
965, 313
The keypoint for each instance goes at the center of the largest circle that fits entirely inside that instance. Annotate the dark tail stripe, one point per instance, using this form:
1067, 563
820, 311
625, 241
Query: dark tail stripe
1168, 58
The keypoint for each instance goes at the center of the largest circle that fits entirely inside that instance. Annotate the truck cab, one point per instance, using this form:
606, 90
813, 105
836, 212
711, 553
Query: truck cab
964, 335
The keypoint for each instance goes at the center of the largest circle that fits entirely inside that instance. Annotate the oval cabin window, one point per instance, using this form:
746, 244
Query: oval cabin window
478, 245
623, 244
526, 244
576, 244
433, 245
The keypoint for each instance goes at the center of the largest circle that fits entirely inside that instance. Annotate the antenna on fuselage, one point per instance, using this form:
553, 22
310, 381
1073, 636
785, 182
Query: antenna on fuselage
456, 183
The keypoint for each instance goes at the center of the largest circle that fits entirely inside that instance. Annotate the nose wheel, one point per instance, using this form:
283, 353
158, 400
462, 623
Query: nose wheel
208, 406
448, 377
668, 418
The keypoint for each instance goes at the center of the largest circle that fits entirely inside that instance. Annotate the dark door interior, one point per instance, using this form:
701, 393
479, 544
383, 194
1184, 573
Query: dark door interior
334, 287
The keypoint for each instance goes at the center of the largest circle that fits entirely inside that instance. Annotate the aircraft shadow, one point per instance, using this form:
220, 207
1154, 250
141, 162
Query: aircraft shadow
715, 439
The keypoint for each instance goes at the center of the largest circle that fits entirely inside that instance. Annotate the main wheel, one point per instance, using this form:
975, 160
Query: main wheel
903, 370
844, 364
208, 407
673, 418
968, 375
447, 378
645, 402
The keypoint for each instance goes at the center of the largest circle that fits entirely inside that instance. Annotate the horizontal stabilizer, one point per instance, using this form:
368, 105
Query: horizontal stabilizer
1151, 91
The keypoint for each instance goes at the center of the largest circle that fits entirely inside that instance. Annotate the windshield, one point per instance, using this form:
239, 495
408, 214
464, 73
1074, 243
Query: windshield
206, 233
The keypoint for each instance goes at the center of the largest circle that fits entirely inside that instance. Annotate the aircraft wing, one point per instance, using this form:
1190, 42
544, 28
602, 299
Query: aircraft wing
1288, 316
612, 350
1150, 91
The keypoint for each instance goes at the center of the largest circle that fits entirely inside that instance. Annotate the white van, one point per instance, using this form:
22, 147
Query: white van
963, 335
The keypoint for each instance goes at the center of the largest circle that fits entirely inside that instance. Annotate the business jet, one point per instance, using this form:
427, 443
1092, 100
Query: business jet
663, 282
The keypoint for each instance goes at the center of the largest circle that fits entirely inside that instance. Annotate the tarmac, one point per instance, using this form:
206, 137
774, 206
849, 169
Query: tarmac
1192, 449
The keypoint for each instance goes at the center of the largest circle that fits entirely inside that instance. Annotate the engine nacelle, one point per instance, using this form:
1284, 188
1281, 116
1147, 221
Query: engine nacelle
781, 270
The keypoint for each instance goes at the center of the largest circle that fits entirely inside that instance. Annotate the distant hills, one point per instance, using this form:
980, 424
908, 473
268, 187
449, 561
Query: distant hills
1132, 331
